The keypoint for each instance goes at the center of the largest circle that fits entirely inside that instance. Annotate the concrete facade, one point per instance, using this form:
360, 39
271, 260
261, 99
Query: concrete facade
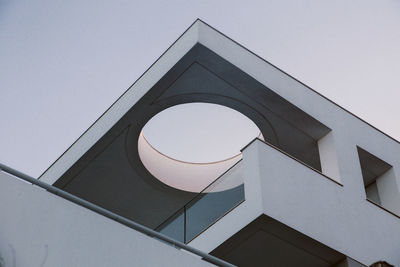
38, 228
329, 206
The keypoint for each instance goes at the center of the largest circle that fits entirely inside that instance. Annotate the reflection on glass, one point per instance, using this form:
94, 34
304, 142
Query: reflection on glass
207, 207
174, 227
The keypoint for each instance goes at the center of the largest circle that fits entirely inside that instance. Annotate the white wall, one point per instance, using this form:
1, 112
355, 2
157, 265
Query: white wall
300, 197
63, 63
328, 157
122, 105
240, 216
338, 216
388, 191
38, 228
335, 215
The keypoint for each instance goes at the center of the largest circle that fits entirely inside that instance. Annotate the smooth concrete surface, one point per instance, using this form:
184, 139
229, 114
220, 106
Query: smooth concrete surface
178, 174
372, 193
122, 105
267, 242
331, 214
38, 228
388, 191
308, 129
240, 216
328, 156
115, 175
309, 202
348, 130
338, 216
348, 222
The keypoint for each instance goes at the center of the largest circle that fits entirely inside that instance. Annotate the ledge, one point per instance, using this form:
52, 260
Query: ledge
226, 213
290, 156
379, 206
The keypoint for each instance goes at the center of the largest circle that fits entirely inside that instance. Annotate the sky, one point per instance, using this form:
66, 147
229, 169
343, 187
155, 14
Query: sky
185, 124
63, 63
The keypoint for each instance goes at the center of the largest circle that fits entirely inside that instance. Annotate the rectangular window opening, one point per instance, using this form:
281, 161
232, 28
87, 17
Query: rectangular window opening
379, 181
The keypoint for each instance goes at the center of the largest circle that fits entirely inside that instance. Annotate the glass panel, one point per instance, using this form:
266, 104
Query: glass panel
174, 227
209, 207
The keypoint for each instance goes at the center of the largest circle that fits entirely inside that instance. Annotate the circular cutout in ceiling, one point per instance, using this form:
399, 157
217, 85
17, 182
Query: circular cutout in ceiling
188, 146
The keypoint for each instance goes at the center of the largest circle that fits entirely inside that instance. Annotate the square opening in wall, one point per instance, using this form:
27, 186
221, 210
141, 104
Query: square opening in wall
376, 175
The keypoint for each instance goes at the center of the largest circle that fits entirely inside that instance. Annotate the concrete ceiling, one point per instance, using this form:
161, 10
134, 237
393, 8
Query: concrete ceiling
267, 242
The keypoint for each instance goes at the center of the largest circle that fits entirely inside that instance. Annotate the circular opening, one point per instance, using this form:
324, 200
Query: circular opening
188, 146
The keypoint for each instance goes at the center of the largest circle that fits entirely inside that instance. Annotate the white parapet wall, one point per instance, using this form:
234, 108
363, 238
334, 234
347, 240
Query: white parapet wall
312, 203
317, 206
38, 228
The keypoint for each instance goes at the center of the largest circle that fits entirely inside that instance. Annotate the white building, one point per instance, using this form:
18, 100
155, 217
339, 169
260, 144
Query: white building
316, 186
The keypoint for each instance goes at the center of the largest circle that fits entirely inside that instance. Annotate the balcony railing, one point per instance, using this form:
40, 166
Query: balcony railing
206, 208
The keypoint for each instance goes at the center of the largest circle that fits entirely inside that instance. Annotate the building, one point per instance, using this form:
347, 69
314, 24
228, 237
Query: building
316, 186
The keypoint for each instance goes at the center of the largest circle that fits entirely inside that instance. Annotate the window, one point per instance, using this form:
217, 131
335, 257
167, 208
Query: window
379, 181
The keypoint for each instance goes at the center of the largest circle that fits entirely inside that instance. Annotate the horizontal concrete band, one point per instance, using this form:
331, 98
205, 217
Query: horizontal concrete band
115, 217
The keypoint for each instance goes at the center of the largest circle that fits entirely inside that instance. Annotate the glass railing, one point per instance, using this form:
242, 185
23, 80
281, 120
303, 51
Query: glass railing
206, 208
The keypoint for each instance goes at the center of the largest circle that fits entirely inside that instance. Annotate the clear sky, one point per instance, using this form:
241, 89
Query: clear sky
200, 132
63, 63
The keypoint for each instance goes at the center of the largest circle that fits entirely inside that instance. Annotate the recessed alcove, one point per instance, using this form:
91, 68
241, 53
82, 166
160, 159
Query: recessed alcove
379, 181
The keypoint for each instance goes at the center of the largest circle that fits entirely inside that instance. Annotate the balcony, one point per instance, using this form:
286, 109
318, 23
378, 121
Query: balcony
293, 202
205, 209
